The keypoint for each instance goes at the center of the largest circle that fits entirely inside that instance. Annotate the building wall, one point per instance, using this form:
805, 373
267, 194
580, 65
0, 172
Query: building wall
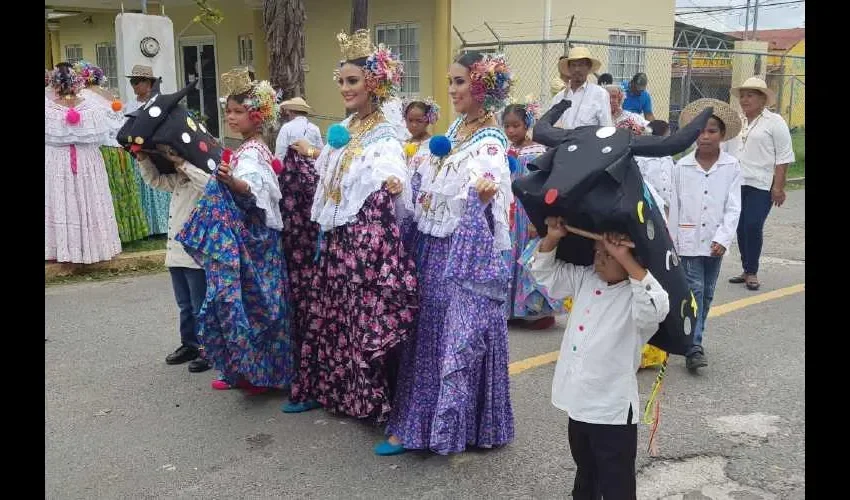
794, 91
593, 21
327, 18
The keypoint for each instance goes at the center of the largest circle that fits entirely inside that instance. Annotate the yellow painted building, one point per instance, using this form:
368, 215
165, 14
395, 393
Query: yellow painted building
420, 30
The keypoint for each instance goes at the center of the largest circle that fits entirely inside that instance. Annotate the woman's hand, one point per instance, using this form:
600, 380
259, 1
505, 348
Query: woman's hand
486, 189
304, 148
393, 185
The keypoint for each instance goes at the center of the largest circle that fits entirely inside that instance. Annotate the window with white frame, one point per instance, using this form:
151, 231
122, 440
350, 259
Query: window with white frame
624, 62
246, 50
107, 60
73, 53
403, 39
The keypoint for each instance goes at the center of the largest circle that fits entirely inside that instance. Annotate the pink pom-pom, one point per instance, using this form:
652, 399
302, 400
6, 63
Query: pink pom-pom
72, 116
277, 166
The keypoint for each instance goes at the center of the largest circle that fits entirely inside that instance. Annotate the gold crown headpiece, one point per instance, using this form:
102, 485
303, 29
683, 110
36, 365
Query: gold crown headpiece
355, 46
236, 81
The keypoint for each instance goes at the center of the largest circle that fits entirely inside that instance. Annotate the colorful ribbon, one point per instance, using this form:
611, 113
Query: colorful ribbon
73, 159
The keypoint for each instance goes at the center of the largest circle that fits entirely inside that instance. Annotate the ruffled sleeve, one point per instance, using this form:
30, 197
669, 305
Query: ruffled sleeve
477, 264
94, 127
257, 172
490, 161
388, 160
382, 157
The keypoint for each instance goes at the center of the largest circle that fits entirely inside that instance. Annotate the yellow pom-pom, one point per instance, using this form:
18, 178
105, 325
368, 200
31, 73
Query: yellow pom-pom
410, 149
568, 304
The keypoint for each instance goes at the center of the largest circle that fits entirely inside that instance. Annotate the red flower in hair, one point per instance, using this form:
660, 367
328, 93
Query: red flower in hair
255, 116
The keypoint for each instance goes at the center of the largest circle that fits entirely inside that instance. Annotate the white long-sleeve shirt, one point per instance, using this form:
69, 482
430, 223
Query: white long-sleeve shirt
705, 205
591, 105
186, 188
595, 379
297, 128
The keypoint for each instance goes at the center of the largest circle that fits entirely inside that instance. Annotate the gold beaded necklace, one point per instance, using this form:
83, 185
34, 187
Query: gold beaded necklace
359, 127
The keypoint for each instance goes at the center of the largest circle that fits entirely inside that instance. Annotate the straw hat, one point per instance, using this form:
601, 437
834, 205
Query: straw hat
757, 84
141, 71
296, 104
722, 110
575, 54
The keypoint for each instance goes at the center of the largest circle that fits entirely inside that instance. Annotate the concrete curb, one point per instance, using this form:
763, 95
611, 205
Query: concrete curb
123, 262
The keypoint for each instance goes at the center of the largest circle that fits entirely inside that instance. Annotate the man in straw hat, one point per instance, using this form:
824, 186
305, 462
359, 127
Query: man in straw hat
705, 204
764, 150
590, 104
297, 127
142, 80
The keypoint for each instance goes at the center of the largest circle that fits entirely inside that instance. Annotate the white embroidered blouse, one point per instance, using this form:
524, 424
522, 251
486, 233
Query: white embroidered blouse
445, 183
381, 156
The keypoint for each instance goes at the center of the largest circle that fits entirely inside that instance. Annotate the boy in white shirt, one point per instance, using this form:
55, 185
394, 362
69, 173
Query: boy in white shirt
704, 209
617, 307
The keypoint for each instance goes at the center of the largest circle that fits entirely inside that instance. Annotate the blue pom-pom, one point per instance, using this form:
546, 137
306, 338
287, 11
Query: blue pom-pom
338, 136
440, 145
513, 164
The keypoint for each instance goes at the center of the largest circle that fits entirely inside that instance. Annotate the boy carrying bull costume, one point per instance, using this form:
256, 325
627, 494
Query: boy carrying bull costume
589, 183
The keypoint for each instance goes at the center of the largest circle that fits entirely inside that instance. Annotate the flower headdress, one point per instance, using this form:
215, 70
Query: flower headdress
69, 82
89, 73
432, 109
383, 69
491, 82
261, 100
532, 111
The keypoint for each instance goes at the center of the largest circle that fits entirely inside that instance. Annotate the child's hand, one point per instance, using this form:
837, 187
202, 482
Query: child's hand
717, 250
556, 227
615, 246
141, 156
532, 231
224, 174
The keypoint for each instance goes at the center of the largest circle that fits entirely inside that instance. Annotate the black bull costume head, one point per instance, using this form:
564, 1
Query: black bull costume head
590, 178
162, 120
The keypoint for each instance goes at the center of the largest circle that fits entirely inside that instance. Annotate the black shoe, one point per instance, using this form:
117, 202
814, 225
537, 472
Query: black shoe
183, 354
696, 360
199, 365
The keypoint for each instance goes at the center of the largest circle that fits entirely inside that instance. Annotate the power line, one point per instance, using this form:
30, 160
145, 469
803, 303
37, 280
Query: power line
727, 9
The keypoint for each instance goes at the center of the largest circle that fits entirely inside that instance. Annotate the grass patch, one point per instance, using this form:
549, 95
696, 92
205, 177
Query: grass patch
798, 140
148, 244
106, 275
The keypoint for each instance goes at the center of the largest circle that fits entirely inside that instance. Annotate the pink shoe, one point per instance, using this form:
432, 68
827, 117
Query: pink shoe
221, 385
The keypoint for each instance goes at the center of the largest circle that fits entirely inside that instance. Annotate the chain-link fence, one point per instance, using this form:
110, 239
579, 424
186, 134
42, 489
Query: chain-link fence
676, 76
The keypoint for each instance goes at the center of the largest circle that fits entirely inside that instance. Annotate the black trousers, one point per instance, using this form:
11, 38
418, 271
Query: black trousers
605, 460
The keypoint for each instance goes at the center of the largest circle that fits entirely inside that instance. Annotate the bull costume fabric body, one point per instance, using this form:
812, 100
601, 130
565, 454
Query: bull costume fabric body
162, 120
590, 178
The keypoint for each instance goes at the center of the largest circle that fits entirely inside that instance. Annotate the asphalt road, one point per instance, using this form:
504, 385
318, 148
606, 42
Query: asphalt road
120, 423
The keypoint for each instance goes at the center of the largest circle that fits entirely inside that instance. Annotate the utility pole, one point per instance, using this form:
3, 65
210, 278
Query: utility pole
755, 30
747, 20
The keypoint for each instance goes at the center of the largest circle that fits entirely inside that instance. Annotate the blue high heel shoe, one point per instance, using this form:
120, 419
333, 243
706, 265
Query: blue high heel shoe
291, 407
386, 449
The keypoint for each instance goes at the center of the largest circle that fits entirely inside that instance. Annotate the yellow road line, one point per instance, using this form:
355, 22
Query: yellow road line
550, 357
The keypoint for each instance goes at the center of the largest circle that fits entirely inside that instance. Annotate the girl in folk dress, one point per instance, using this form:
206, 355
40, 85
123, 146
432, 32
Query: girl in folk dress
234, 233
419, 115
79, 221
453, 377
363, 294
526, 303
